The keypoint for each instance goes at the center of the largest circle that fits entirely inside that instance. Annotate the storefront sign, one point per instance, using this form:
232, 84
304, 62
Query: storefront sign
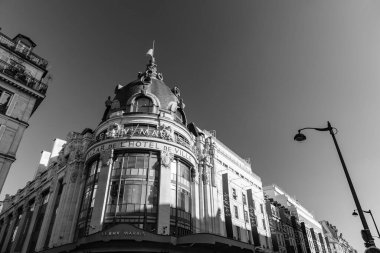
142, 144
123, 233
227, 210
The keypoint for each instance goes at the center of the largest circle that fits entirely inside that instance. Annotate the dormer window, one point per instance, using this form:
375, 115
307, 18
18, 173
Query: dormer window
143, 104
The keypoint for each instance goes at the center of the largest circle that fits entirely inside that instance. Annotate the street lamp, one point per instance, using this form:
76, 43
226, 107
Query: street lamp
373, 219
366, 233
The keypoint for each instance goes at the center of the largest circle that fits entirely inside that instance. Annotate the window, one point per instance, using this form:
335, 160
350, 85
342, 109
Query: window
5, 98
133, 191
265, 228
143, 104
238, 235
261, 208
234, 195
244, 199
236, 212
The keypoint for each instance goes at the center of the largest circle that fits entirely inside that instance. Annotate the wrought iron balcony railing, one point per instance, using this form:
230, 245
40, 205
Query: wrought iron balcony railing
19, 75
26, 54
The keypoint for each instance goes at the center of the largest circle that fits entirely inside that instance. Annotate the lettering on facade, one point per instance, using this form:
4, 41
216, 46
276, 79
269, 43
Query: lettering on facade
143, 145
226, 202
118, 131
123, 233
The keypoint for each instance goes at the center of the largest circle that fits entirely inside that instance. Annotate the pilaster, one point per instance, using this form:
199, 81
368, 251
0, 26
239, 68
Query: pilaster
163, 220
96, 223
48, 214
20, 225
9, 232
37, 205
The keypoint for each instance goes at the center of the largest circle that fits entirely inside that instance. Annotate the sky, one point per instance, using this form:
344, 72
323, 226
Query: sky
254, 71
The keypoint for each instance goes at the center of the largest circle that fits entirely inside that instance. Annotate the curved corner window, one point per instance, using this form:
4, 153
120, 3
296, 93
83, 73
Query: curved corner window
143, 104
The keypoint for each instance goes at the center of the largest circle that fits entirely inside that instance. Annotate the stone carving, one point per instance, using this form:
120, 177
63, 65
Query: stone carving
106, 156
73, 176
166, 158
176, 91
115, 104
193, 174
166, 132
150, 72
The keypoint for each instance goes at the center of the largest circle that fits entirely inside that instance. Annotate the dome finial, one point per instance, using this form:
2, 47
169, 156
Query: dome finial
151, 68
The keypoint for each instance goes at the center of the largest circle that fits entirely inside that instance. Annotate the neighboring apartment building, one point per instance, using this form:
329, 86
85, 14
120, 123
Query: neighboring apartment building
22, 88
311, 228
335, 243
143, 174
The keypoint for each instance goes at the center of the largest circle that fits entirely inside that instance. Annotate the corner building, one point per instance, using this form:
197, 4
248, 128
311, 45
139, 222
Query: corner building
23, 86
144, 180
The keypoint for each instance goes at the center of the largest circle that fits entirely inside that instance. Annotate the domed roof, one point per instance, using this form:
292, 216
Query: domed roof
149, 84
156, 87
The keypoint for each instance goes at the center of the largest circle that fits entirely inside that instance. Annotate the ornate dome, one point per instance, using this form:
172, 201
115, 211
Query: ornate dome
147, 94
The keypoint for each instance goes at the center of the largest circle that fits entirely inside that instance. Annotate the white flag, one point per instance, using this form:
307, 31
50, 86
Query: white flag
150, 52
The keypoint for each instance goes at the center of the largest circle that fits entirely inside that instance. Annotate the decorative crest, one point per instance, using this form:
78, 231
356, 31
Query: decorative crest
151, 69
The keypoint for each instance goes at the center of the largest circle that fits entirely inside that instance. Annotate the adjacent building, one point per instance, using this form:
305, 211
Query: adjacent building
23, 86
335, 241
144, 174
311, 228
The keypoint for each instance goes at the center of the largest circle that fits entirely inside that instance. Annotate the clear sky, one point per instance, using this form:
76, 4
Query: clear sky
254, 71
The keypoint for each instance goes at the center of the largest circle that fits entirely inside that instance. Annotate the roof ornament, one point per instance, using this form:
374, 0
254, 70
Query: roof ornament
151, 69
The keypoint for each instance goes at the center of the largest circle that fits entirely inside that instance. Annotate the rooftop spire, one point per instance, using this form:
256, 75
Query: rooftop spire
151, 68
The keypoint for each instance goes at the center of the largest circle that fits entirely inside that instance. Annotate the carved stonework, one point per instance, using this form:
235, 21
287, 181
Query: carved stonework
166, 158
193, 173
73, 176
106, 156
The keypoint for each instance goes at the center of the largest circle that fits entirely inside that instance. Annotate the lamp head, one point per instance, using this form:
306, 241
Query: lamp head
299, 137
355, 213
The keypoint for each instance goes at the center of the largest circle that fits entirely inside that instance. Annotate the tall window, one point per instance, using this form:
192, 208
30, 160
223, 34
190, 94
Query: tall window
244, 199
88, 200
5, 99
143, 104
236, 212
234, 195
133, 191
180, 211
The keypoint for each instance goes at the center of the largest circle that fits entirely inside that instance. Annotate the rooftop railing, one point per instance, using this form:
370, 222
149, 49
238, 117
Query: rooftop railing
26, 54
21, 76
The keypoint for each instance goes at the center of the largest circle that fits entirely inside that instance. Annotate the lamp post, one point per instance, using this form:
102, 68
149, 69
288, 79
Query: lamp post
373, 219
366, 233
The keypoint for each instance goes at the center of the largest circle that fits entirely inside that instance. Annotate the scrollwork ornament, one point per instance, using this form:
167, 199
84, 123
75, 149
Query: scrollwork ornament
106, 156
166, 158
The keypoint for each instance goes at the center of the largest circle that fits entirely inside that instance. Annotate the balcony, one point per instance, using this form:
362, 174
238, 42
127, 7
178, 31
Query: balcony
18, 73
26, 54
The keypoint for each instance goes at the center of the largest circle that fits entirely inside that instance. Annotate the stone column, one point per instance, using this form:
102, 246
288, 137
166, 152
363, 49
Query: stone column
3, 231
195, 202
202, 226
57, 227
21, 224
48, 214
73, 198
164, 198
96, 223
8, 236
79, 190
37, 205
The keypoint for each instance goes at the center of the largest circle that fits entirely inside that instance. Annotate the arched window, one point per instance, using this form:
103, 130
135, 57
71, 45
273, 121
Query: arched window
143, 104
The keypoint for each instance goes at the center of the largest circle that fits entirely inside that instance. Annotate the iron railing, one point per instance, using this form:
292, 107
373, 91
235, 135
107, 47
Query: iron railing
21, 76
26, 54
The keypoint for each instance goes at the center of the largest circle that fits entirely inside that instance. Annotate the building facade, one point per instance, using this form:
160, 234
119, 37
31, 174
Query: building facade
310, 227
22, 88
144, 174
335, 241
